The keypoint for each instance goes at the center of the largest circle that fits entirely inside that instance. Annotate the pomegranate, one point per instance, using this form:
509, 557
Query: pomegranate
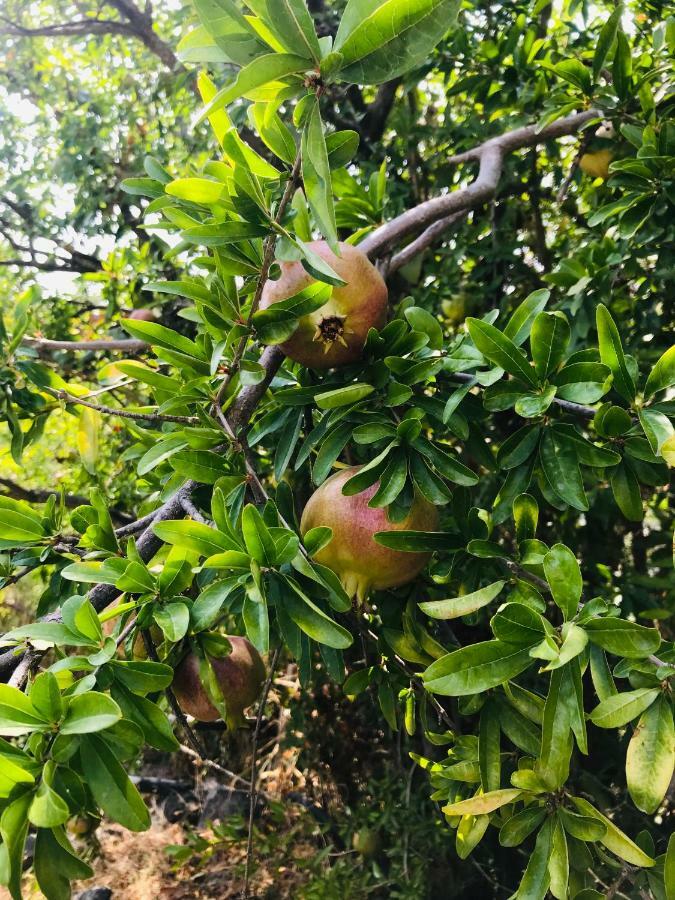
352, 553
240, 675
142, 315
335, 334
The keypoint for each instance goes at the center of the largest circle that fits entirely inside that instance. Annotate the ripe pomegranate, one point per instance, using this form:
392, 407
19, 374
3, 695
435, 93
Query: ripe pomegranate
142, 315
240, 676
352, 553
335, 334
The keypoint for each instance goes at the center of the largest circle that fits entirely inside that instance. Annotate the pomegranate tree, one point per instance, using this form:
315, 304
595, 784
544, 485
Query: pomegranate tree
352, 553
335, 334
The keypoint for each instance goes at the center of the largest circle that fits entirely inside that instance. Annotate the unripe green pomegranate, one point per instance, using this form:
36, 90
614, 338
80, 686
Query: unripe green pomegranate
367, 843
240, 675
352, 553
335, 334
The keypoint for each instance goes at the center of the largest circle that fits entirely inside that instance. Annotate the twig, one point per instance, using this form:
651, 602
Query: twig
416, 681
191, 737
192, 511
122, 413
138, 525
254, 768
121, 638
583, 144
268, 259
23, 670
421, 243
126, 345
586, 412
199, 760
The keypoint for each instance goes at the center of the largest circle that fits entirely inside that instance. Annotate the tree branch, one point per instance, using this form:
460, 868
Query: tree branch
122, 413
126, 345
577, 409
428, 237
254, 766
490, 156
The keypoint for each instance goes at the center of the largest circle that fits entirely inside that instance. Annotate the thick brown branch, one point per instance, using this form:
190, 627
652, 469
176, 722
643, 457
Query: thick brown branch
490, 156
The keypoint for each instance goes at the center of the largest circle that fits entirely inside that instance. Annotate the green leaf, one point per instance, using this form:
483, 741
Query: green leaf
55, 864
489, 756
669, 869
385, 698
532, 406
142, 677
463, 605
194, 536
421, 320
650, 759
657, 428
626, 491
19, 524
614, 839
584, 828
476, 668
556, 740
225, 22
316, 176
380, 39
517, 624
560, 465
291, 24
559, 863
500, 350
110, 786
564, 578
48, 809
256, 617
160, 336
274, 326
148, 716
536, 880
13, 830
17, 714
262, 70
618, 710
662, 375
526, 517
174, 620
514, 831
204, 466
606, 39
343, 396
258, 540
549, 338
519, 446
623, 638
89, 712
312, 620
45, 696
611, 353
482, 803
622, 66
415, 541
519, 325
576, 73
